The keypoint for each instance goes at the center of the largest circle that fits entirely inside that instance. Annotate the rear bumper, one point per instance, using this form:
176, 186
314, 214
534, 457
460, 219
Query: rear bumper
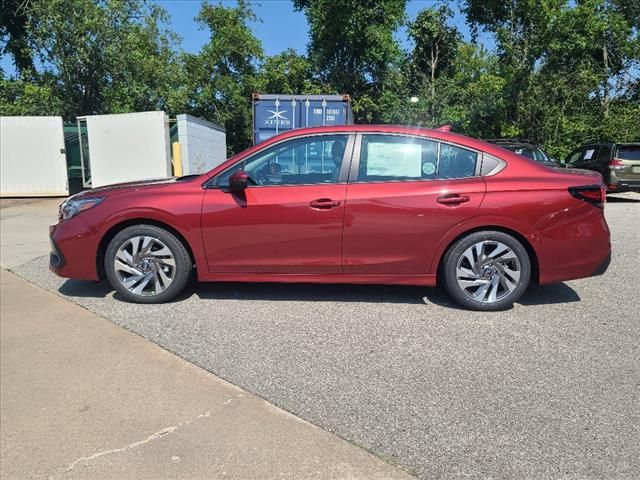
603, 266
575, 249
623, 185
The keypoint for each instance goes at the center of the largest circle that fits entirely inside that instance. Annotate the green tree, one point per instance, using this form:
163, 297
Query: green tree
95, 57
566, 67
225, 72
14, 35
104, 56
353, 49
435, 47
288, 72
520, 28
20, 97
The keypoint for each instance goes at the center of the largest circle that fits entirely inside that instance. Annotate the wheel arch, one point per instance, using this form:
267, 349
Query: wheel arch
118, 227
533, 257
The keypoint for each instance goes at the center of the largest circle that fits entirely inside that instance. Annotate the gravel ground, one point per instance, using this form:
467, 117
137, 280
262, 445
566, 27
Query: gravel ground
549, 389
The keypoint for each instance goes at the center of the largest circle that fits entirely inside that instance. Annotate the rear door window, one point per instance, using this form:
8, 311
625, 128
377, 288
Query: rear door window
456, 162
628, 152
394, 158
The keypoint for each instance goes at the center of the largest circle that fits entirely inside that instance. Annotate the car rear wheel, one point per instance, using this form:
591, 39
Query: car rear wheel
147, 264
486, 270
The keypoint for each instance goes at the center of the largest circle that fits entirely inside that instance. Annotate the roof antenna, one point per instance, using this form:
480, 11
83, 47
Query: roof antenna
445, 128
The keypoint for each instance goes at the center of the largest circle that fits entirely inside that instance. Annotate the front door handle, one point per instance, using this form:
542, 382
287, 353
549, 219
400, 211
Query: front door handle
453, 199
324, 203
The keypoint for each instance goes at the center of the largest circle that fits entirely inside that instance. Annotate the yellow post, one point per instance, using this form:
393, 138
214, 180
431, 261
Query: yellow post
177, 159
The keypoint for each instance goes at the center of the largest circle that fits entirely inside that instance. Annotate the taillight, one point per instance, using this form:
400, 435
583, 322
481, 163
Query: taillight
616, 164
594, 194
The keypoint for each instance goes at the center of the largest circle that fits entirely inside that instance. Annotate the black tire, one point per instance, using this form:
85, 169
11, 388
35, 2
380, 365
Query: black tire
181, 272
465, 297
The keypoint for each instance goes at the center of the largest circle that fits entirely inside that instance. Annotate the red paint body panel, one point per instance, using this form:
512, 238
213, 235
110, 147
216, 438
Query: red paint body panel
273, 230
387, 232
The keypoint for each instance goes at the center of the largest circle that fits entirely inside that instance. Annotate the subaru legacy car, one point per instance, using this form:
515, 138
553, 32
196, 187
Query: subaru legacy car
357, 204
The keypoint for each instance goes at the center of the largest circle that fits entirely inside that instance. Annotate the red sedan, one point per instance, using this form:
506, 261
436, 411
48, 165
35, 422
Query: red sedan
346, 204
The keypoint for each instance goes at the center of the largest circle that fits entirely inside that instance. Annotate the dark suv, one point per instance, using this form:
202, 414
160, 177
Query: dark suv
618, 163
525, 148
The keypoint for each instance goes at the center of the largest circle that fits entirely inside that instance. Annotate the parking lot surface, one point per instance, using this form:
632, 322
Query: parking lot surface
548, 389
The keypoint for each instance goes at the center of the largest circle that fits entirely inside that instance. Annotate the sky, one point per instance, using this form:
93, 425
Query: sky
279, 26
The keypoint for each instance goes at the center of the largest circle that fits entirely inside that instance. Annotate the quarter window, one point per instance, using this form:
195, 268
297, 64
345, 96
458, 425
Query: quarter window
393, 158
304, 161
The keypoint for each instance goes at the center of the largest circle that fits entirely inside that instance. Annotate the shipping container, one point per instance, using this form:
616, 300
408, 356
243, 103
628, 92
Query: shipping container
275, 113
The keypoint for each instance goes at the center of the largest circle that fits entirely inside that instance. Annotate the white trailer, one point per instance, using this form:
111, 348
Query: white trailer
32, 157
203, 144
126, 147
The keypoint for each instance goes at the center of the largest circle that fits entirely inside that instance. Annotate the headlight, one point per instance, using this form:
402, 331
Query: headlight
71, 207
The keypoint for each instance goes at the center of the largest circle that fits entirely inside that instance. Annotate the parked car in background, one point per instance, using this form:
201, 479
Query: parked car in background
360, 204
526, 149
618, 163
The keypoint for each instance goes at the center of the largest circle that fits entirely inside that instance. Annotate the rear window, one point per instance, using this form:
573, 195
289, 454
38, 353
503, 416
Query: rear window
628, 152
530, 152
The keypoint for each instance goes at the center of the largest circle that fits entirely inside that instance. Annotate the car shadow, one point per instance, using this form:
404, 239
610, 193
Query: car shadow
310, 292
282, 292
549, 295
85, 288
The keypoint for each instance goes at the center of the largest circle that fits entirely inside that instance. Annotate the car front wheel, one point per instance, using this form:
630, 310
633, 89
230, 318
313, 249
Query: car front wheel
147, 264
486, 270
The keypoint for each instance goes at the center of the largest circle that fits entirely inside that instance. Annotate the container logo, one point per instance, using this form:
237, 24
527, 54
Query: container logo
277, 118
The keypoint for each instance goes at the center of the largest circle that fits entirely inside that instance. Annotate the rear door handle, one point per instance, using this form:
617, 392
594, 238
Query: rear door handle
324, 203
453, 199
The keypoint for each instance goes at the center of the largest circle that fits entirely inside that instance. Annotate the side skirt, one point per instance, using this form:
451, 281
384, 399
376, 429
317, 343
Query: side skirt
371, 279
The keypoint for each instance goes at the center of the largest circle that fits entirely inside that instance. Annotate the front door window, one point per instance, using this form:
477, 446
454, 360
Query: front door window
305, 161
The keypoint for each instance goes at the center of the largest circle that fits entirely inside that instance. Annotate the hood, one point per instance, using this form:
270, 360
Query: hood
115, 188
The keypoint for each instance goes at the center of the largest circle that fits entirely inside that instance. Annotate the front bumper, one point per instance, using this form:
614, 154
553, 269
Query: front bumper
74, 249
56, 259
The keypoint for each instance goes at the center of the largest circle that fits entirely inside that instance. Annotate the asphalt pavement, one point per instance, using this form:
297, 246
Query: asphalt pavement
548, 389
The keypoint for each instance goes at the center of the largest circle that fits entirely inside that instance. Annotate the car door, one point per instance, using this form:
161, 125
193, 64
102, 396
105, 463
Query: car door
289, 219
404, 194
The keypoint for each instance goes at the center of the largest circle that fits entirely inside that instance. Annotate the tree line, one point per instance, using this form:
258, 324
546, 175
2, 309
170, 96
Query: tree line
562, 73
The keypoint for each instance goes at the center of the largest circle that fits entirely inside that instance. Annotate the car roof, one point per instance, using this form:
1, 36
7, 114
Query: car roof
513, 142
428, 133
434, 134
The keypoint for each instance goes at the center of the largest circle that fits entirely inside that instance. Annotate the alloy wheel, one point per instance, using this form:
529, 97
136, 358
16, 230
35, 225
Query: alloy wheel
144, 265
488, 271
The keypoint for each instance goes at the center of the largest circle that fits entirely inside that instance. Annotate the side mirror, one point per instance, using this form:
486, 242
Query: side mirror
238, 181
